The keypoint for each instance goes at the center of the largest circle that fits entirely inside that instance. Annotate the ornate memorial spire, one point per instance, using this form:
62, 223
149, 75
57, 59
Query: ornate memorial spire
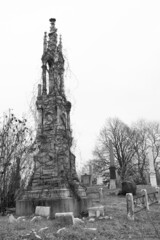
54, 180
52, 63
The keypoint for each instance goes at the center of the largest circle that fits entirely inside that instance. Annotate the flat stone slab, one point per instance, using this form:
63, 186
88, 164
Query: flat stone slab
65, 218
96, 211
43, 211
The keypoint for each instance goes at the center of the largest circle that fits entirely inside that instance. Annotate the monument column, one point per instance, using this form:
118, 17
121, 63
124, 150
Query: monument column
91, 173
112, 167
153, 180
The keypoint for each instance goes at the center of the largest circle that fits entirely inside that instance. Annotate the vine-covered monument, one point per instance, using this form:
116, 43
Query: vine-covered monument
54, 182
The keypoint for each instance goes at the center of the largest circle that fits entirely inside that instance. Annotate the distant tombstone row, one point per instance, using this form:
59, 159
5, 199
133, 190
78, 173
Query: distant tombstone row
115, 180
87, 179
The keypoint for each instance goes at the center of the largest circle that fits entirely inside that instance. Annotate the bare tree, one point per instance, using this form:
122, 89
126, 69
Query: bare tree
154, 142
15, 140
148, 137
141, 147
123, 145
130, 145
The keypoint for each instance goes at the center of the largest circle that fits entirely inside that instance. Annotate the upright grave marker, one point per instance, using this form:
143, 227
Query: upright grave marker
153, 180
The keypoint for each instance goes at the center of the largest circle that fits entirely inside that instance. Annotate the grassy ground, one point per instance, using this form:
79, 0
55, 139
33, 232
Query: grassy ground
145, 226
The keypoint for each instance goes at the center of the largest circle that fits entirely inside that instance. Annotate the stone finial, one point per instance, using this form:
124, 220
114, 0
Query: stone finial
45, 42
52, 43
52, 20
52, 27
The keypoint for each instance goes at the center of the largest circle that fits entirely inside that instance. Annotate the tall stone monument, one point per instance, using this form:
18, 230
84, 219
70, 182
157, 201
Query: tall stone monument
54, 182
112, 167
152, 173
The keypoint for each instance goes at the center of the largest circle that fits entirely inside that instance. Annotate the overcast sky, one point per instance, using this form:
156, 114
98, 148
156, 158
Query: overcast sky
113, 54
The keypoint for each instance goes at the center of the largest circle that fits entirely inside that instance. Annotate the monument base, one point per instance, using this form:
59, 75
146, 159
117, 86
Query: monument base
70, 204
112, 184
59, 200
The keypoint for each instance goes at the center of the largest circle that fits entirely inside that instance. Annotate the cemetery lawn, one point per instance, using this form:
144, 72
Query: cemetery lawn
145, 226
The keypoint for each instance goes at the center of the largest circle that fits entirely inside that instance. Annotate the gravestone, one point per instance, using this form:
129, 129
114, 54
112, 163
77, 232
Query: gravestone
54, 182
153, 180
42, 211
65, 219
85, 179
112, 168
99, 180
96, 211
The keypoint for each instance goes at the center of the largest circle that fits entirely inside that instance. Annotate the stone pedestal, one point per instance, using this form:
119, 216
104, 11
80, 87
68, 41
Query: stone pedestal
70, 204
59, 200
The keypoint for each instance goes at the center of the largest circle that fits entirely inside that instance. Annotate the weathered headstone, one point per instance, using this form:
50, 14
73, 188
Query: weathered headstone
94, 198
85, 179
65, 218
146, 203
130, 206
78, 221
99, 180
153, 180
42, 211
101, 194
12, 219
112, 167
54, 182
